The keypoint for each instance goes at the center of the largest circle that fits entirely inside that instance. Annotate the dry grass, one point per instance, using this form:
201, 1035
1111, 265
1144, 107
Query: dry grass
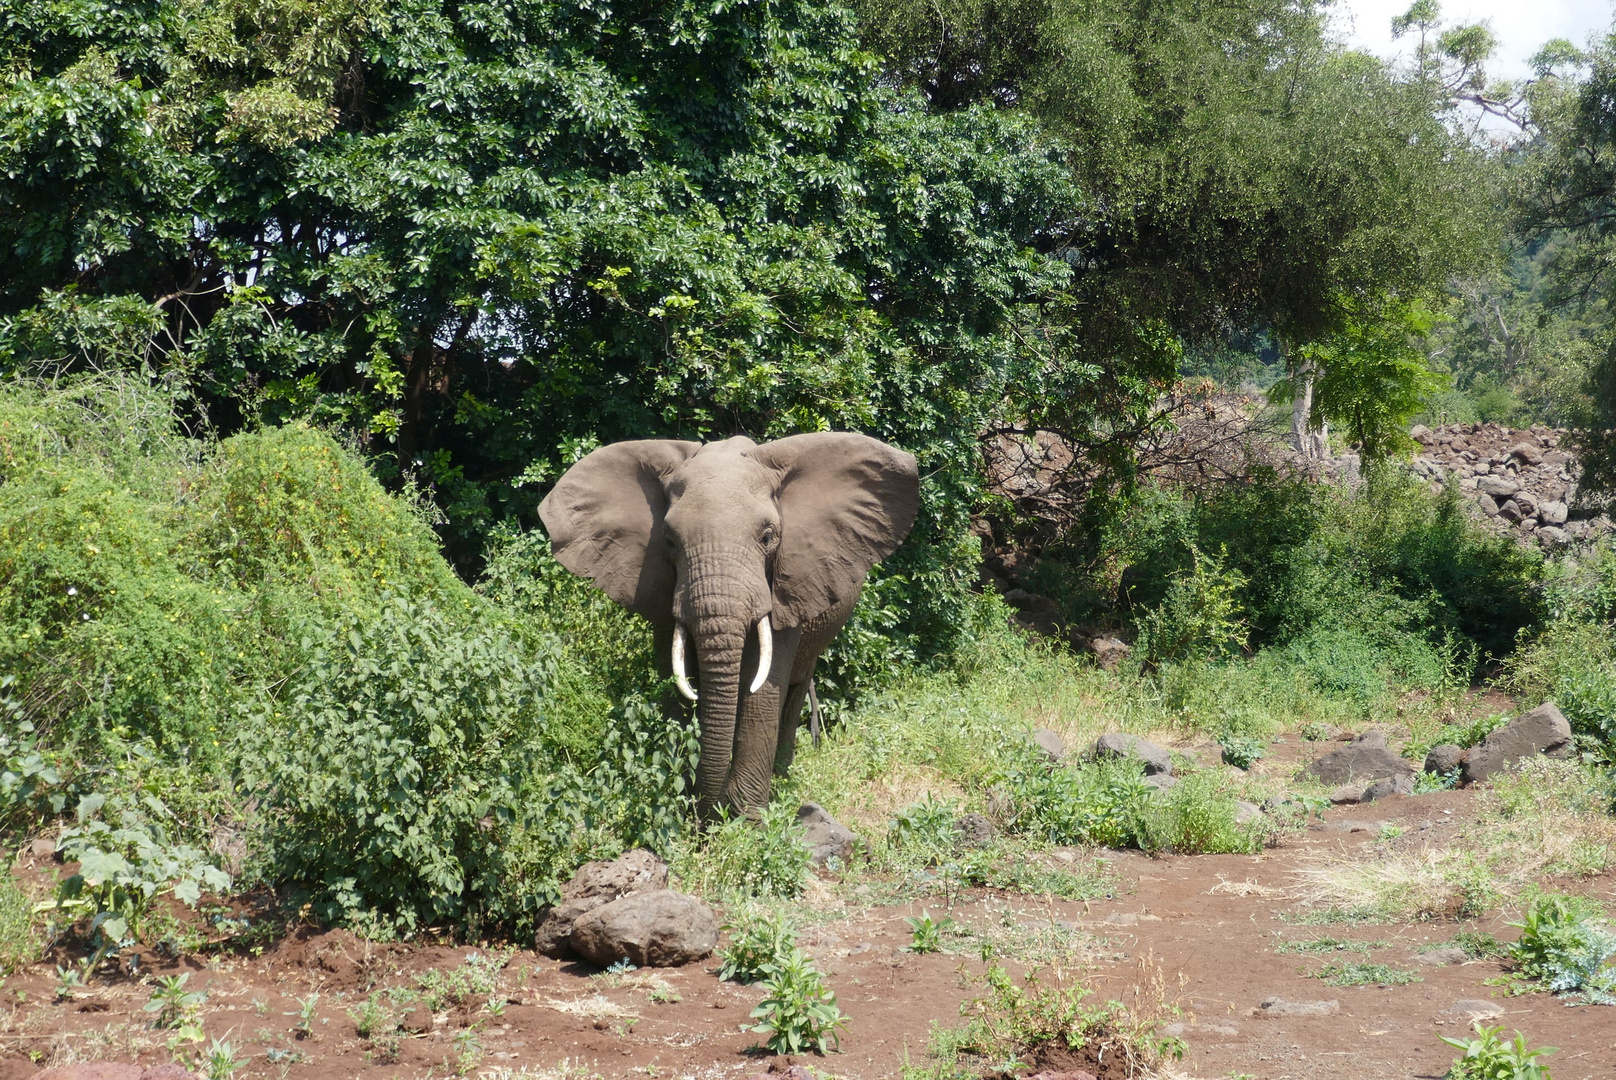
1242, 888
593, 1007
1545, 820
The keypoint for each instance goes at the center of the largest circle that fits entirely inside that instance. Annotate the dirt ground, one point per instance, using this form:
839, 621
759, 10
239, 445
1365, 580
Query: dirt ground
1203, 929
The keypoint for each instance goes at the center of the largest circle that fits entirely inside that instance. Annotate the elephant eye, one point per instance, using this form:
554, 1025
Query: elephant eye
768, 535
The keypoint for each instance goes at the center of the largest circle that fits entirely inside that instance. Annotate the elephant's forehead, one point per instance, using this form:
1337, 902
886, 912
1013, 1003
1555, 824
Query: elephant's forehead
724, 465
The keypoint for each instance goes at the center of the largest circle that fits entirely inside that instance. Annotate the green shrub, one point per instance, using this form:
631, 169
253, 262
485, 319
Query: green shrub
740, 856
1199, 616
19, 943
1490, 1057
1563, 946
1196, 816
1242, 751
758, 943
390, 771
798, 1012
1096, 802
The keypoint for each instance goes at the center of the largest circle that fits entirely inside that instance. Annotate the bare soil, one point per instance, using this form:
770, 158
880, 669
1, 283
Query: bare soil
1202, 928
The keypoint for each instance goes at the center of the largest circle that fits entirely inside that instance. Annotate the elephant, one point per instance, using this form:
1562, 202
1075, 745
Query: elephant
752, 556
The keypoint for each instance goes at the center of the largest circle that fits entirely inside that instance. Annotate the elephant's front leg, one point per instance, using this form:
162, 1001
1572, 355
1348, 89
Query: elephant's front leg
757, 729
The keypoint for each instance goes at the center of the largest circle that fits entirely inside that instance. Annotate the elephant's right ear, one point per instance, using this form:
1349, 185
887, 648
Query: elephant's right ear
604, 517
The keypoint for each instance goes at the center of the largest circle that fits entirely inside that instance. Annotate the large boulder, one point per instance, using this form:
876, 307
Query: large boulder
649, 929
826, 837
1542, 731
595, 885
1364, 758
1444, 758
1109, 651
1118, 744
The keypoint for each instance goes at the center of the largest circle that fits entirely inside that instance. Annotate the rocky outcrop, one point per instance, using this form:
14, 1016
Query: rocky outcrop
1364, 759
1121, 745
826, 837
595, 885
1518, 479
1050, 742
648, 929
1542, 731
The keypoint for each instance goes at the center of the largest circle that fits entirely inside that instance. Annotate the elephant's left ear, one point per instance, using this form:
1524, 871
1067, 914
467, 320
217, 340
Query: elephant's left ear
846, 502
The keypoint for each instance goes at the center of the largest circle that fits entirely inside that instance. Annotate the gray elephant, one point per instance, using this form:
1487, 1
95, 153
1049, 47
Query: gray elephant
751, 557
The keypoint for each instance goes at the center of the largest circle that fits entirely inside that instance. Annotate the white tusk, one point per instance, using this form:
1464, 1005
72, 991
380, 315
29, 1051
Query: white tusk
765, 654
680, 679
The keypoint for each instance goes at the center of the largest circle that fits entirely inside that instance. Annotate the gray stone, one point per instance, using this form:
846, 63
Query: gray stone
1526, 452
594, 885
1109, 651
1510, 511
975, 831
1443, 957
1246, 811
1162, 781
1475, 1009
1350, 794
1552, 513
826, 837
1444, 758
1527, 502
1050, 742
1542, 731
1497, 486
1401, 784
1366, 758
649, 929
1275, 1006
1553, 535
1119, 744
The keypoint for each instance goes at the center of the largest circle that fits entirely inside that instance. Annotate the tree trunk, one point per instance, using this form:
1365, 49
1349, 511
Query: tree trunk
1312, 443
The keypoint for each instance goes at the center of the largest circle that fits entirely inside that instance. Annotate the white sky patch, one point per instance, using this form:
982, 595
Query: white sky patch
1521, 26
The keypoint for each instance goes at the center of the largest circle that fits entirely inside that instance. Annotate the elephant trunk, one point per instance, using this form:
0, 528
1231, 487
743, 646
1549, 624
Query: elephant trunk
720, 644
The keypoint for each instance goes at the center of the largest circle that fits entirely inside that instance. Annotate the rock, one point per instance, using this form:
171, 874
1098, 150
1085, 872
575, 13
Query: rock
1275, 1006
826, 837
1527, 502
1053, 746
1444, 758
42, 849
595, 884
1350, 794
1542, 731
1443, 957
1401, 784
1487, 504
1246, 811
975, 831
1109, 651
650, 929
1474, 1009
1526, 453
1366, 758
1162, 781
1181, 1029
1553, 535
1420, 434
1553, 513
1510, 511
1497, 486
1119, 745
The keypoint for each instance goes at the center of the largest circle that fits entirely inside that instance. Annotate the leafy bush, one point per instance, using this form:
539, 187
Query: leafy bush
1562, 946
390, 771
798, 1012
19, 943
758, 943
1199, 615
1242, 751
764, 858
1490, 1057
925, 828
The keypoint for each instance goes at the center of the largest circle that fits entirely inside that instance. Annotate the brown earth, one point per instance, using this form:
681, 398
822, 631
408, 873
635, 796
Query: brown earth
1198, 931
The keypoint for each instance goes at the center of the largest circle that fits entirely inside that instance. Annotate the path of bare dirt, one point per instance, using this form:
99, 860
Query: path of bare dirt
1207, 926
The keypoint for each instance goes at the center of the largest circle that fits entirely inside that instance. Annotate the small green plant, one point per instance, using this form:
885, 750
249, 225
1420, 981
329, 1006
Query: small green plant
495, 1006
1242, 751
1327, 945
762, 858
18, 942
384, 1048
925, 826
663, 994
173, 1004
468, 1052
1361, 974
68, 983
926, 934
370, 1017
1317, 731
1562, 946
798, 1012
1490, 1057
757, 944
221, 1062
306, 1010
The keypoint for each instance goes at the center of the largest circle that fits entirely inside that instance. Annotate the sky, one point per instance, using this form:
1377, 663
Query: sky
1522, 26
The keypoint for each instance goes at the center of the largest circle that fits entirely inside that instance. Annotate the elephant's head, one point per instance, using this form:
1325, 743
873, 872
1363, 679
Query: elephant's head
727, 545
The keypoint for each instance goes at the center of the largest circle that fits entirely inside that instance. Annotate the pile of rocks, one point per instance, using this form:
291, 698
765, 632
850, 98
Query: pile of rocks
1518, 478
1542, 731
